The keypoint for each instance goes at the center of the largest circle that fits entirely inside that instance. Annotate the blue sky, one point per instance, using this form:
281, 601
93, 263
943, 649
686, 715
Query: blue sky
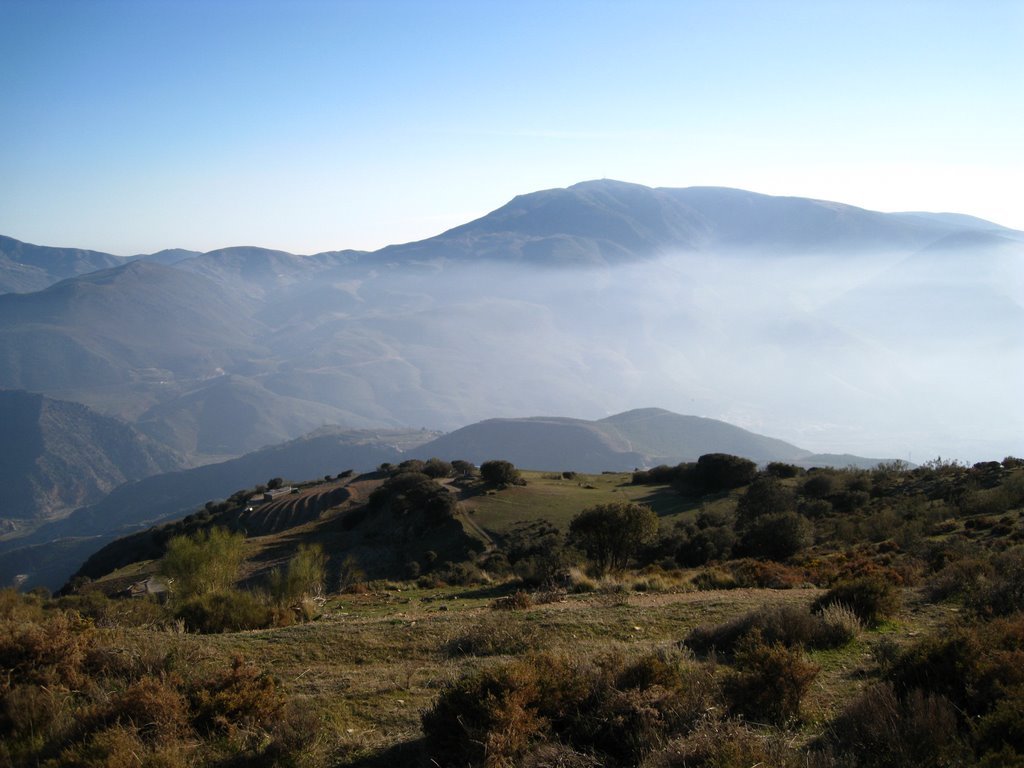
310, 125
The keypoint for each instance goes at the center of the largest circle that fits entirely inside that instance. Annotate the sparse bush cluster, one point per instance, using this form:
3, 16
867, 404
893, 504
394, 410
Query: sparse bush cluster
70, 697
608, 709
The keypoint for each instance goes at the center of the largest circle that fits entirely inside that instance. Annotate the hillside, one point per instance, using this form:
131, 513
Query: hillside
57, 456
52, 552
25, 267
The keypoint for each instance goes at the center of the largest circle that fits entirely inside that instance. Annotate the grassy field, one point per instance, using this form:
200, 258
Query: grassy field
557, 499
372, 663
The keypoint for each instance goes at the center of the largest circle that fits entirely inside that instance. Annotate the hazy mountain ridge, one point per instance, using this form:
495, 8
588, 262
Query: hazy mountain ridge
57, 456
707, 300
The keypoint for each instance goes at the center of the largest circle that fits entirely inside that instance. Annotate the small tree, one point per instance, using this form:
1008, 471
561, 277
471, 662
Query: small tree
205, 562
303, 576
437, 468
501, 473
611, 533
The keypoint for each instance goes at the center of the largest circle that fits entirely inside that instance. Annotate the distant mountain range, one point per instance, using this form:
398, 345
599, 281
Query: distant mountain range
806, 318
640, 438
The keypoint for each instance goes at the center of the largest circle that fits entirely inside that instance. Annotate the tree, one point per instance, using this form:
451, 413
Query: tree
611, 533
205, 562
717, 472
304, 575
765, 496
501, 473
463, 468
437, 468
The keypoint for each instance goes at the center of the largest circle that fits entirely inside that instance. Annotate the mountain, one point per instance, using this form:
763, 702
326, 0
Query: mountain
608, 222
25, 267
57, 456
819, 322
643, 437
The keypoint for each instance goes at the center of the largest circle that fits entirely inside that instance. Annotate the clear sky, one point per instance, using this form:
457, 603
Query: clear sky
129, 126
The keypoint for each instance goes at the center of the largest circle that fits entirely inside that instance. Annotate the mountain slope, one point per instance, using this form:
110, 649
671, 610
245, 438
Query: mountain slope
608, 222
54, 551
56, 456
25, 267
639, 438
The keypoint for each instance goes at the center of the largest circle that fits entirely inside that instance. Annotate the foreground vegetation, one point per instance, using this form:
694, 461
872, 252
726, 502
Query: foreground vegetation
829, 618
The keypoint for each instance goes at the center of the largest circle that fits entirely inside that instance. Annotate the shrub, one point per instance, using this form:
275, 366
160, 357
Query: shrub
241, 697
819, 485
615, 710
518, 601
881, 729
226, 611
1003, 593
777, 536
437, 468
770, 680
304, 575
782, 470
766, 574
872, 598
205, 562
729, 744
702, 545
500, 473
716, 472
495, 638
791, 626
765, 496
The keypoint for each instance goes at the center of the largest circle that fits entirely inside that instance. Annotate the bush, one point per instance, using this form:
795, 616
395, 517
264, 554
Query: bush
517, 601
872, 598
782, 470
716, 472
226, 611
881, 729
766, 574
204, 562
702, 545
777, 536
791, 626
729, 744
500, 473
765, 496
770, 680
615, 710
437, 468
495, 637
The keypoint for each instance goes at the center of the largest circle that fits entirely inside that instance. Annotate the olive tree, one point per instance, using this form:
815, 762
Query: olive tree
611, 533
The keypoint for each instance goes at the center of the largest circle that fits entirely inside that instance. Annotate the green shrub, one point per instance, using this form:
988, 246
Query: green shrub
777, 536
225, 611
872, 598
